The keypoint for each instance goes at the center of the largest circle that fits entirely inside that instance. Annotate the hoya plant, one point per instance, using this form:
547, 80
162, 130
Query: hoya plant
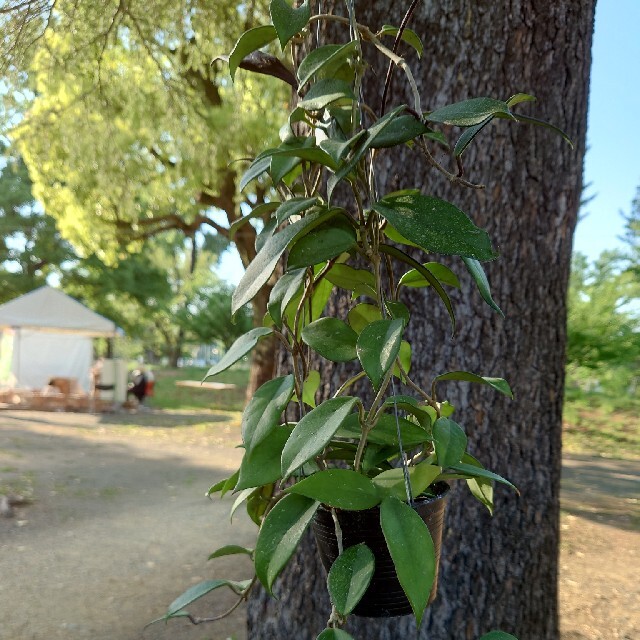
391, 448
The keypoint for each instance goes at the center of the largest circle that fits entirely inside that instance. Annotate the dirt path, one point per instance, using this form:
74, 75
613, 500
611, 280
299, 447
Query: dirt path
119, 527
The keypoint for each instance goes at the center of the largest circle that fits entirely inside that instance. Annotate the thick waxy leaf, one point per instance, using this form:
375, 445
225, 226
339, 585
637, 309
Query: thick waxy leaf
310, 387
481, 488
426, 274
283, 292
346, 277
361, 148
402, 129
258, 502
280, 534
408, 36
324, 59
385, 431
261, 464
248, 42
391, 483
469, 112
450, 442
334, 634
398, 310
477, 273
337, 148
262, 414
332, 338
378, 346
201, 589
230, 550
541, 123
499, 384
410, 405
239, 349
258, 212
340, 488
477, 472
520, 97
362, 315
435, 225
262, 266
468, 135
327, 241
414, 278
288, 21
268, 65
255, 170
412, 552
350, 576
293, 207
498, 635
223, 486
325, 92
314, 432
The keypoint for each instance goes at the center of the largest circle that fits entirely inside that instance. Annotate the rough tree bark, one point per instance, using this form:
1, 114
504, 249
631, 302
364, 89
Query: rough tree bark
498, 572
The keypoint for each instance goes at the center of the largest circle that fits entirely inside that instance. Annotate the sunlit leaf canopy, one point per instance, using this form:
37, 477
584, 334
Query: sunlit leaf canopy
133, 129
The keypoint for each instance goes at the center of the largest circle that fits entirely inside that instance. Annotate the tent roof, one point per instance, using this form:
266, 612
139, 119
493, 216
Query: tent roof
50, 309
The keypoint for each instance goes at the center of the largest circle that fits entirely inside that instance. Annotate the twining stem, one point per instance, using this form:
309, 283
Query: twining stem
348, 383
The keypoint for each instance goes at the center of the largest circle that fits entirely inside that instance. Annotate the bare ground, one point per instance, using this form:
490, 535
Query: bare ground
119, 526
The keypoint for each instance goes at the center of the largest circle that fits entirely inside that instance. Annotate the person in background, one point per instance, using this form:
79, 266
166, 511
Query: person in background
138, 385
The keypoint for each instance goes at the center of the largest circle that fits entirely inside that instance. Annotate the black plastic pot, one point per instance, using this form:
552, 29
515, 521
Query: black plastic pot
384, 598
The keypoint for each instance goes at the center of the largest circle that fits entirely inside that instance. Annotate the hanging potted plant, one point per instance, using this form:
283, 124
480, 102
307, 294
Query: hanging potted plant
369, 471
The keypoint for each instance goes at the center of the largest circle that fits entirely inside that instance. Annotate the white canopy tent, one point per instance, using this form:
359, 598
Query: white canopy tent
46, 334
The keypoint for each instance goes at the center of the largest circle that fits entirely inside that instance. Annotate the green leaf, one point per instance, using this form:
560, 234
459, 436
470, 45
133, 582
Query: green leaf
280, 534
314, 431
361, 149
262, 414
293, 207
239, 349
403, 129
481, 488
323, 243
498, 635
249, 42
450, 442
412, 551
499, 384
241, 497
385, 432
426, 274
476, 472
398, 311
334, 634
410, 405
324, 92
349, 577
468, 136
261, 464
363, 314
377, 348
346, 277
283, 292
258, 502
201, 589
477, 273
324, 59
332, 338
262, 266
257, 212
256, 169
339, 488
230, 550
391, 482
414, 278
408, 36
225, 485
518, 98
310, 387
435, 225
469, 112
288, 21
541, 123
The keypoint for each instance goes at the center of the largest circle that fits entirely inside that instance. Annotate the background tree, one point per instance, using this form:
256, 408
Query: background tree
31, 247
133, 129
503, 572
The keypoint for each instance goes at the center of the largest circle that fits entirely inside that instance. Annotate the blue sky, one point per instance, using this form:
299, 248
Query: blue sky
613, 137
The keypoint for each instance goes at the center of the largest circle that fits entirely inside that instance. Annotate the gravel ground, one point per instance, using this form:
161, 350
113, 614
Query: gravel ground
119, 527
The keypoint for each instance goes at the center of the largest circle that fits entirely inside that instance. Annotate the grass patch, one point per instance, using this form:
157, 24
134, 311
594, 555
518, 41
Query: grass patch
169, 396
595, 424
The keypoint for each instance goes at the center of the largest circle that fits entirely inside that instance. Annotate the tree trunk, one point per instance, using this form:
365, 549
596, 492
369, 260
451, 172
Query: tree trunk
500, 571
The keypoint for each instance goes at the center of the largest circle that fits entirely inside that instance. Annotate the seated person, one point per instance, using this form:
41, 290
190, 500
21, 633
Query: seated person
138, 387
